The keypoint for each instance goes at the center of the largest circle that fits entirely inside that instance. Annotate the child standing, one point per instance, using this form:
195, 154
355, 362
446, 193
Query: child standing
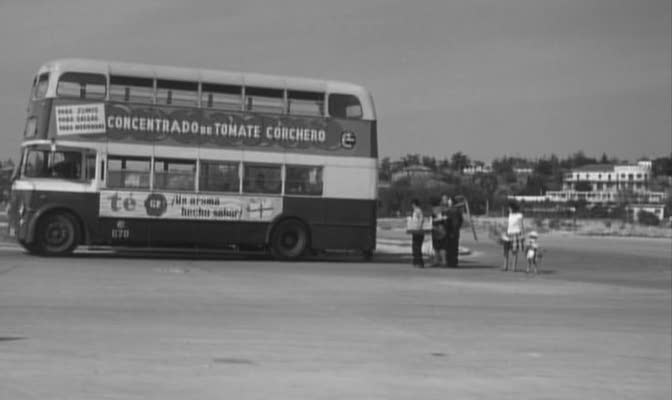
532, 251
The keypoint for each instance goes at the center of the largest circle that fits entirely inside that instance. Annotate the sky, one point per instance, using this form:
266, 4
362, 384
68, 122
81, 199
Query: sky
489, 78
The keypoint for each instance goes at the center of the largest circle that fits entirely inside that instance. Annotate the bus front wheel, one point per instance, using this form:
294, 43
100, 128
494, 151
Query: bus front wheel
57, 234
289, 240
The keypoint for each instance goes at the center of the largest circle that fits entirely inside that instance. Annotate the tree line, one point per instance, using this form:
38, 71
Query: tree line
489, 191
6, 169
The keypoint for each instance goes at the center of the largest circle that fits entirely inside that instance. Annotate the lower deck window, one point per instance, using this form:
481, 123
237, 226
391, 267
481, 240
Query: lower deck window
127, 172
303, 180
36, 164
219, 177
262, 179
174, 174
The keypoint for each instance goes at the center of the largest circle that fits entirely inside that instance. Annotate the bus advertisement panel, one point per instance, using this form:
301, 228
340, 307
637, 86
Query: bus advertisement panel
188, 206
211, 128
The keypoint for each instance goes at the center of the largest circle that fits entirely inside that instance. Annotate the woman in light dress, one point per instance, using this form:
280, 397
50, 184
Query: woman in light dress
513, 240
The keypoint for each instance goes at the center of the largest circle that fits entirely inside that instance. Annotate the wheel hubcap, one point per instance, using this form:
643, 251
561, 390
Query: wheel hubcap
57, 233
290, 239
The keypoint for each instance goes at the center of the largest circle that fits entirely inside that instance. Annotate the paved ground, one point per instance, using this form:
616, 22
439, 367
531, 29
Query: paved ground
596, 324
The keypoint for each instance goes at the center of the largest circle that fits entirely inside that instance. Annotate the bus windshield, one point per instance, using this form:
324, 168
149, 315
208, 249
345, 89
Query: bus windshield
41, 163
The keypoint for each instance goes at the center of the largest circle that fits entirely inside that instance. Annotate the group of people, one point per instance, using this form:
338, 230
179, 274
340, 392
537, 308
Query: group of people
446, 221
445, 230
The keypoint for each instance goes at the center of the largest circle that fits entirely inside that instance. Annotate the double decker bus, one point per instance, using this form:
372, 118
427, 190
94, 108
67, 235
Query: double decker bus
126, 155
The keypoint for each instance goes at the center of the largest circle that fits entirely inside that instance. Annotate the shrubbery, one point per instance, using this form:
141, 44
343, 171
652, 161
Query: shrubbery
648, 218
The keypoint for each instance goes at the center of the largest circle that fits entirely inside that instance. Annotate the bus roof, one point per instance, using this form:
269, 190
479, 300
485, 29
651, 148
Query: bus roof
203, 75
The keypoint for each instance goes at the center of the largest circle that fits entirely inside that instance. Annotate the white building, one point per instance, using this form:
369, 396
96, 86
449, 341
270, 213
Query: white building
603, 183
412, 171
523, 170
477, 169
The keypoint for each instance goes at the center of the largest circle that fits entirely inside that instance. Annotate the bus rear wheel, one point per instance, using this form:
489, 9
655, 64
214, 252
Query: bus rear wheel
289, 240
57, 234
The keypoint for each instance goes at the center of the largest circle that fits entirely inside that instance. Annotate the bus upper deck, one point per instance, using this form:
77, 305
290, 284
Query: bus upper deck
150, 84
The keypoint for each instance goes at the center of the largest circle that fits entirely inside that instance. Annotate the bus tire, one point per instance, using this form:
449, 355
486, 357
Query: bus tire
57, 234
289, 240
367, 255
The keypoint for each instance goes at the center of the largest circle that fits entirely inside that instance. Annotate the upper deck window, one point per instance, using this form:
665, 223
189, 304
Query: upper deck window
132, 89
221, 97
82, 85
178, 93
305, 103
264, 100
345, 106
41, 85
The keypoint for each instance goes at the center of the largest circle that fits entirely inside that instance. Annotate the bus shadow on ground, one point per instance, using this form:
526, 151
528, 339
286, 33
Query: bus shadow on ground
214, 255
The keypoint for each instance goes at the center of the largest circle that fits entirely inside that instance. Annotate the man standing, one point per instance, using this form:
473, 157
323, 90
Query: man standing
439, 233
453, 224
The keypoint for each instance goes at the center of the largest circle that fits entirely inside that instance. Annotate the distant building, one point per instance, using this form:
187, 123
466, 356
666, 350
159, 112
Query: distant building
477, 169
413, 171
522, 170
656, 209
605, 183
529, 199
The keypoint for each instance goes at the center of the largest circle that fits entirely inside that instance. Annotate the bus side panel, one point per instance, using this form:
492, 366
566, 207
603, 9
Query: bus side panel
213, 234
336, 223
123, 232
163, 232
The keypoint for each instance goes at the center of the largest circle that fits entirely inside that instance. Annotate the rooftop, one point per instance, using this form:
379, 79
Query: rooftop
595, 168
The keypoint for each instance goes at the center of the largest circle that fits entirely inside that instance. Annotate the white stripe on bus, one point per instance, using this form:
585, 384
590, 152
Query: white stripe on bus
189, 153
54, 185
343, 182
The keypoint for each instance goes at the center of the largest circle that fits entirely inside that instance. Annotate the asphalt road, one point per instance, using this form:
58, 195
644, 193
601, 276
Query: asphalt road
595, 324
